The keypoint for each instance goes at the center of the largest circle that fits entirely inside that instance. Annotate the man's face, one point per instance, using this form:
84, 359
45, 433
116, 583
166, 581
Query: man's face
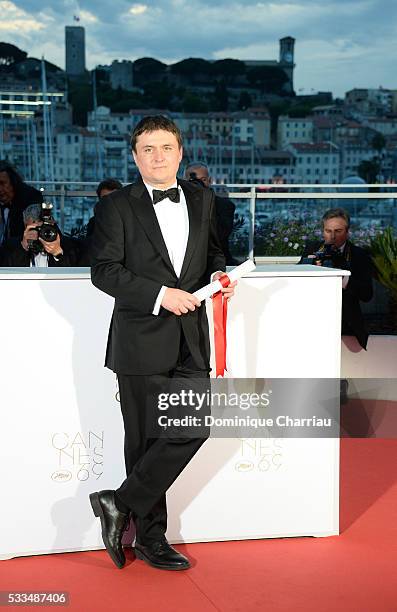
201, 174
6, 188
335, 231
158, 157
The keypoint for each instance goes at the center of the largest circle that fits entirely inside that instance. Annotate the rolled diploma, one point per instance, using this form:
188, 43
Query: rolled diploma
215, 286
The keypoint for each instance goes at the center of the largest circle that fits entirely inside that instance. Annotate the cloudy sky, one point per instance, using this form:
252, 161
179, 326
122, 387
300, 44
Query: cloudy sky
340, 44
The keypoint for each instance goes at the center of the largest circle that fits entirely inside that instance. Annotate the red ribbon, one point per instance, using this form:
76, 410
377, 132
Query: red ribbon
219, 306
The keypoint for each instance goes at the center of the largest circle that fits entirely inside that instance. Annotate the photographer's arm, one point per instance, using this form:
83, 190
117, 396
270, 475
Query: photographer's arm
30, 233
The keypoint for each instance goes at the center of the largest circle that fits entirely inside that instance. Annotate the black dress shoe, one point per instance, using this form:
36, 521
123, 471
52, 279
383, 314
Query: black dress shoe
162, 556
113, 523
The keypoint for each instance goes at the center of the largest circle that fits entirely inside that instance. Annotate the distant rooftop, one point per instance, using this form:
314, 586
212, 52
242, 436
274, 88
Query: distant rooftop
314, 147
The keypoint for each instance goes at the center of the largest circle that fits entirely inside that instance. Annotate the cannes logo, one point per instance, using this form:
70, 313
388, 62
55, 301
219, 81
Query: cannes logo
244, 466
61, 476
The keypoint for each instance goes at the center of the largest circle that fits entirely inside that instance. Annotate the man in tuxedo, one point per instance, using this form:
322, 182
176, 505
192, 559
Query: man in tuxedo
154, 244
345, 255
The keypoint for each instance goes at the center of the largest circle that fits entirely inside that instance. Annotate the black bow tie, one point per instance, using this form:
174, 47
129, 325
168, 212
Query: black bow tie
172, 194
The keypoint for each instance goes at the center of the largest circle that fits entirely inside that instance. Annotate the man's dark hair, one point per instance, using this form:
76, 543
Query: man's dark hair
152, 123
110, 184
333, 213
14, 176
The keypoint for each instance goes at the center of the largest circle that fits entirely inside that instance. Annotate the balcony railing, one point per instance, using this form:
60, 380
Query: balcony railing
258, 204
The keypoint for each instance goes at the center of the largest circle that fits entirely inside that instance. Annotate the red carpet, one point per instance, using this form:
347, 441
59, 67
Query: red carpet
356, 571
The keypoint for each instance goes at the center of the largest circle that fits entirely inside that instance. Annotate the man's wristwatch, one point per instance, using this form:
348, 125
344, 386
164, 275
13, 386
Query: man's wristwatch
58, 257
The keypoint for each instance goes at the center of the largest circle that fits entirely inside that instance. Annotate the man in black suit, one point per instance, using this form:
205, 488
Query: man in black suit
345, 255
104, 188
15, 196
224, 207
154, 244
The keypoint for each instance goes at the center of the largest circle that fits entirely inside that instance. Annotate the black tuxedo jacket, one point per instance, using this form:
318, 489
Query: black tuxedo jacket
130, 262
359, 288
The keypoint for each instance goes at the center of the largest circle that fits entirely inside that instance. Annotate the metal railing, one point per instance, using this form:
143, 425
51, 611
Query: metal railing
252, 193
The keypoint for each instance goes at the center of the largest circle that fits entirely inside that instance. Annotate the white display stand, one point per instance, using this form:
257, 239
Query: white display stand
62, 437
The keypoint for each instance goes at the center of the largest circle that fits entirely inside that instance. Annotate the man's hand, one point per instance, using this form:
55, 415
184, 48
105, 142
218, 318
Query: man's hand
53, 248
228, 292
29, 234
179, 302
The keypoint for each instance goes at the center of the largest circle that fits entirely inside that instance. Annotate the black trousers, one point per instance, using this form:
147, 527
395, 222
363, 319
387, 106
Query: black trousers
153, 461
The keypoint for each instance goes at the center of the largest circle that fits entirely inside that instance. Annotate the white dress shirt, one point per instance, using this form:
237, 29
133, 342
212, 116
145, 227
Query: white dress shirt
173, 219
40, 261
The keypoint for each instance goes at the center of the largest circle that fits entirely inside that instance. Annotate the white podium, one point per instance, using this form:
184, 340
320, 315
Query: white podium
62, 437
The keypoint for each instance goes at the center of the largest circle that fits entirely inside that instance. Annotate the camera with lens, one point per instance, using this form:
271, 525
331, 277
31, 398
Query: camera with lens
47, 231
328, 256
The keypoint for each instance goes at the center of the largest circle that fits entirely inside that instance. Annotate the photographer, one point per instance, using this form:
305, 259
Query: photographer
33, 250
338, 252
224, 207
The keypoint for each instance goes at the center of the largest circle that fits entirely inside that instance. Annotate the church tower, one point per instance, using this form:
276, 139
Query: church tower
286, 60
